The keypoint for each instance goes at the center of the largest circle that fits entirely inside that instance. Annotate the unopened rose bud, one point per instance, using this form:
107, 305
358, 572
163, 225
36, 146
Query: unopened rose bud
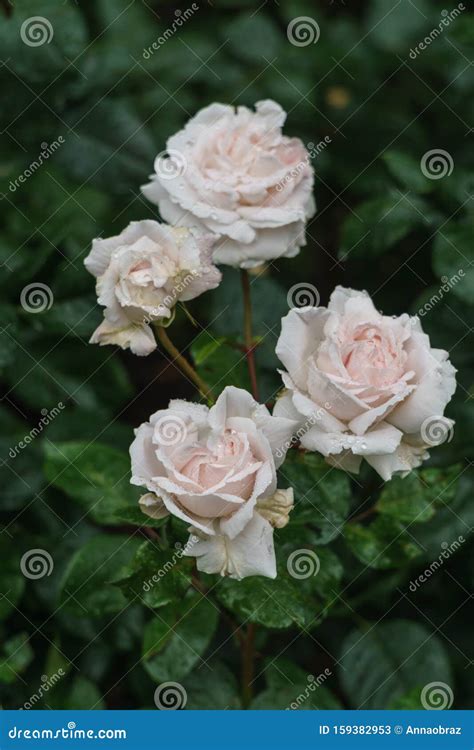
277, 508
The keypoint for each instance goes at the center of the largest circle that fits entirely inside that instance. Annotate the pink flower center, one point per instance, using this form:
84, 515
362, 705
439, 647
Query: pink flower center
373, 356
229, 460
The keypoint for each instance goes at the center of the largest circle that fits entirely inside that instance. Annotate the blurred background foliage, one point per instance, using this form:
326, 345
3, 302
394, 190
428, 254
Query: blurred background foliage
381, 225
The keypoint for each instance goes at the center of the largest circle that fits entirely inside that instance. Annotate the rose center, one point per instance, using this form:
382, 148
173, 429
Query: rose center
373, 357
223, 461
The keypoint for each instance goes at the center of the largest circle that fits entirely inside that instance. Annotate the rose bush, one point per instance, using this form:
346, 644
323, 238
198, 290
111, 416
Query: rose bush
368, 570
142, 273
233, 173
216, 469
363, 383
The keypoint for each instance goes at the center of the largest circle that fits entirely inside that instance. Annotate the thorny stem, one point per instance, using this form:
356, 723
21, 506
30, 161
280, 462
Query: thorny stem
183, 363
248, 337
248, 665
248, 642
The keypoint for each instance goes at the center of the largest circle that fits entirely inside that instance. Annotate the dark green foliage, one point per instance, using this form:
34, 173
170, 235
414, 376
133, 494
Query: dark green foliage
99, 618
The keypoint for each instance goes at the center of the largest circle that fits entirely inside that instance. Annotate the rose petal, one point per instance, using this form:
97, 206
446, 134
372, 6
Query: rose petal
249, 553
436, 383
302, 331
400, 462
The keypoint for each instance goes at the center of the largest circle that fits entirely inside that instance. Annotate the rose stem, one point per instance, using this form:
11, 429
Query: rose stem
364, 514
248, 655
248, 337
183, 364
248, 643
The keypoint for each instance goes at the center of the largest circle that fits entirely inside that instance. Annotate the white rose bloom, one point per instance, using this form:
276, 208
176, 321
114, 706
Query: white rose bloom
362, 384
142, 273
216, 469
233, 173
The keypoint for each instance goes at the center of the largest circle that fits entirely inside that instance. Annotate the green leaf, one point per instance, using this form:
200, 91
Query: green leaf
84, 696
453, 256
176, 639
8, 332
157, 577
12, 581
97, 477
382, 662
113, 148
86, 589
455, 522
213, 687
21, 453
73, 317
15, 656
220, 363
392, 26
322, 494
410, 701
60, 26
382, 222
78, 694
289, 687
381, 545
407, 171
288, 600
124, 30
204, 347
417, 497
46, 373
261, 29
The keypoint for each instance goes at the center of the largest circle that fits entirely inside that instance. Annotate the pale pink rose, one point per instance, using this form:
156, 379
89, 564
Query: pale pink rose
362, 384
142, 273
216, 469
234, 173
